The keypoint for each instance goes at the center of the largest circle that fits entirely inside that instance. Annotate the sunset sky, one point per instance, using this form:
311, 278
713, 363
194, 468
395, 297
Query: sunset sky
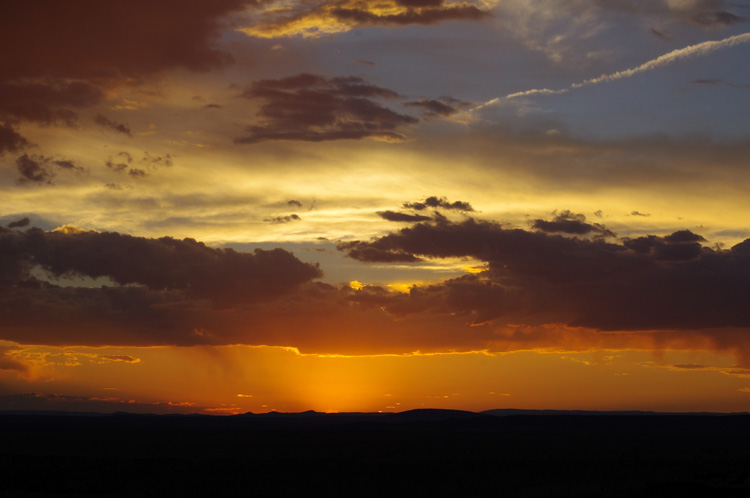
374, 205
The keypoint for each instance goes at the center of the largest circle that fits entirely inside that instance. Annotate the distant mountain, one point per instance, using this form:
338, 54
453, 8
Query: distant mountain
505, 412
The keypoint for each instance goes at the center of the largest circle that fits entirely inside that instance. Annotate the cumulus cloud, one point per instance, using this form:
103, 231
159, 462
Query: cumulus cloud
313, 108
336, 16
646, 283
165, 291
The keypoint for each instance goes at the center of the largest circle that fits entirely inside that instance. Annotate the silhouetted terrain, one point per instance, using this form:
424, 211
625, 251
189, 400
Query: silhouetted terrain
416, 453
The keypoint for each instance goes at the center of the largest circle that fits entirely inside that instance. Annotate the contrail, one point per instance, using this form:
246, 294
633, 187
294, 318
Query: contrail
689, 52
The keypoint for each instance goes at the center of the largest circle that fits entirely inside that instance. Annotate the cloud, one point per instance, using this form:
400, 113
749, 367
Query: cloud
717, 17
439, 202
571, 223
23, 222
646, 283
10, 139
396, 216
282, 219
8, 362
105, 122
122, 162
46, 102
538, 291
686, 53
160, 264
434, 108
338, 16
57, 58
294, 203
110, 40
59, 402
119, 357
660, 35
314, 108
163, 291
689, 52
40, 169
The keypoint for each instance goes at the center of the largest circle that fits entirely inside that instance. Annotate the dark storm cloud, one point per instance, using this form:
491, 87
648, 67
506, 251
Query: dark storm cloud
160, 264
313, 108
647, 283
59, 56
439, 203
105, 122
572, 223
166, 291
294, 203
40, 169
23, 222
396, 216
91, 39
282, 219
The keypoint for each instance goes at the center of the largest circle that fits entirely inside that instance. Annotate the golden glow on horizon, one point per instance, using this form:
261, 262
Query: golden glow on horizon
236, 379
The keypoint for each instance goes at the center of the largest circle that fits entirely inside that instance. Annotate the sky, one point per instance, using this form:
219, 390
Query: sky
374, 205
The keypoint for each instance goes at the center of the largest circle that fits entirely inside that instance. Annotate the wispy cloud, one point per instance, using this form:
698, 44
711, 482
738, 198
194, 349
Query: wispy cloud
689, 52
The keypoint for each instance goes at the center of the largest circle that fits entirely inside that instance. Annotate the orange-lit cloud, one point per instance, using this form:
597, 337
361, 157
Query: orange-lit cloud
343, 15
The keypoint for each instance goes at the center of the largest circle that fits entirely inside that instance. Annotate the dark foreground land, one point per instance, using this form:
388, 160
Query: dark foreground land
421, 453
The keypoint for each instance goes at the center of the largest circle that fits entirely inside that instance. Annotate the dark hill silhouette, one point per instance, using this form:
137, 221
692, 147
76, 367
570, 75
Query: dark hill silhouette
436, 453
